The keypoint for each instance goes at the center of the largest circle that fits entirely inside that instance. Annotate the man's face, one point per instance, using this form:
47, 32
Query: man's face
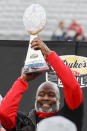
46, 100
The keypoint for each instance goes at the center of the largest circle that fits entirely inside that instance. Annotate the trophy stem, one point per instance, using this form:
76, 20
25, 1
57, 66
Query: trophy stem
32, 37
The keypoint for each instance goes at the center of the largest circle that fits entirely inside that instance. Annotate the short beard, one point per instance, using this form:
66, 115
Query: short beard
54, 108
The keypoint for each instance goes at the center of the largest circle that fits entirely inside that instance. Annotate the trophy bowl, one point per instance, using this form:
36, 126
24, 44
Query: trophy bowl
34, 19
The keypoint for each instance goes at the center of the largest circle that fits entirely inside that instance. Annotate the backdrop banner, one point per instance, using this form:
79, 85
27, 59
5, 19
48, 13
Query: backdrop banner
77, 64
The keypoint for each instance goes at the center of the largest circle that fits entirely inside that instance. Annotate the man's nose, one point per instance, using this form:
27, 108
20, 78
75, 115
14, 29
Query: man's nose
46, 97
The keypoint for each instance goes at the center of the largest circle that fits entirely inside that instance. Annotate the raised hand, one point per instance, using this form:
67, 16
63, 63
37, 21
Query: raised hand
38, 44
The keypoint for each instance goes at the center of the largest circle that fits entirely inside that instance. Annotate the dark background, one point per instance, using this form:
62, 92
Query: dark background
12, 56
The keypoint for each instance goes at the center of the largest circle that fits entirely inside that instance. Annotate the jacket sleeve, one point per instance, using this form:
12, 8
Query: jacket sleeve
72, 91
10, 103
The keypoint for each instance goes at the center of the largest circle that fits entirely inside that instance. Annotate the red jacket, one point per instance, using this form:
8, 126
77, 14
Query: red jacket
76, 27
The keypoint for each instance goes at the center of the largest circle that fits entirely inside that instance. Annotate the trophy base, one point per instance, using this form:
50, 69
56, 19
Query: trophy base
31, 68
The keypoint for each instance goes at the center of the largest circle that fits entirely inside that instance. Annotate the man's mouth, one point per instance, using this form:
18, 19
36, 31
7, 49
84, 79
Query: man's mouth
45, 106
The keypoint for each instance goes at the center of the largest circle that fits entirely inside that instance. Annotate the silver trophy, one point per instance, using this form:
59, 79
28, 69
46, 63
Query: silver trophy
34, 20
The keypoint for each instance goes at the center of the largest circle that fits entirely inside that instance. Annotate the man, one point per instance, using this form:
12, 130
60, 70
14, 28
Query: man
47, 96
76, 27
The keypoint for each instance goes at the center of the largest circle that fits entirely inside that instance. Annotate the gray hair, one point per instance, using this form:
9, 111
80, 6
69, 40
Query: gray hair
54, 85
